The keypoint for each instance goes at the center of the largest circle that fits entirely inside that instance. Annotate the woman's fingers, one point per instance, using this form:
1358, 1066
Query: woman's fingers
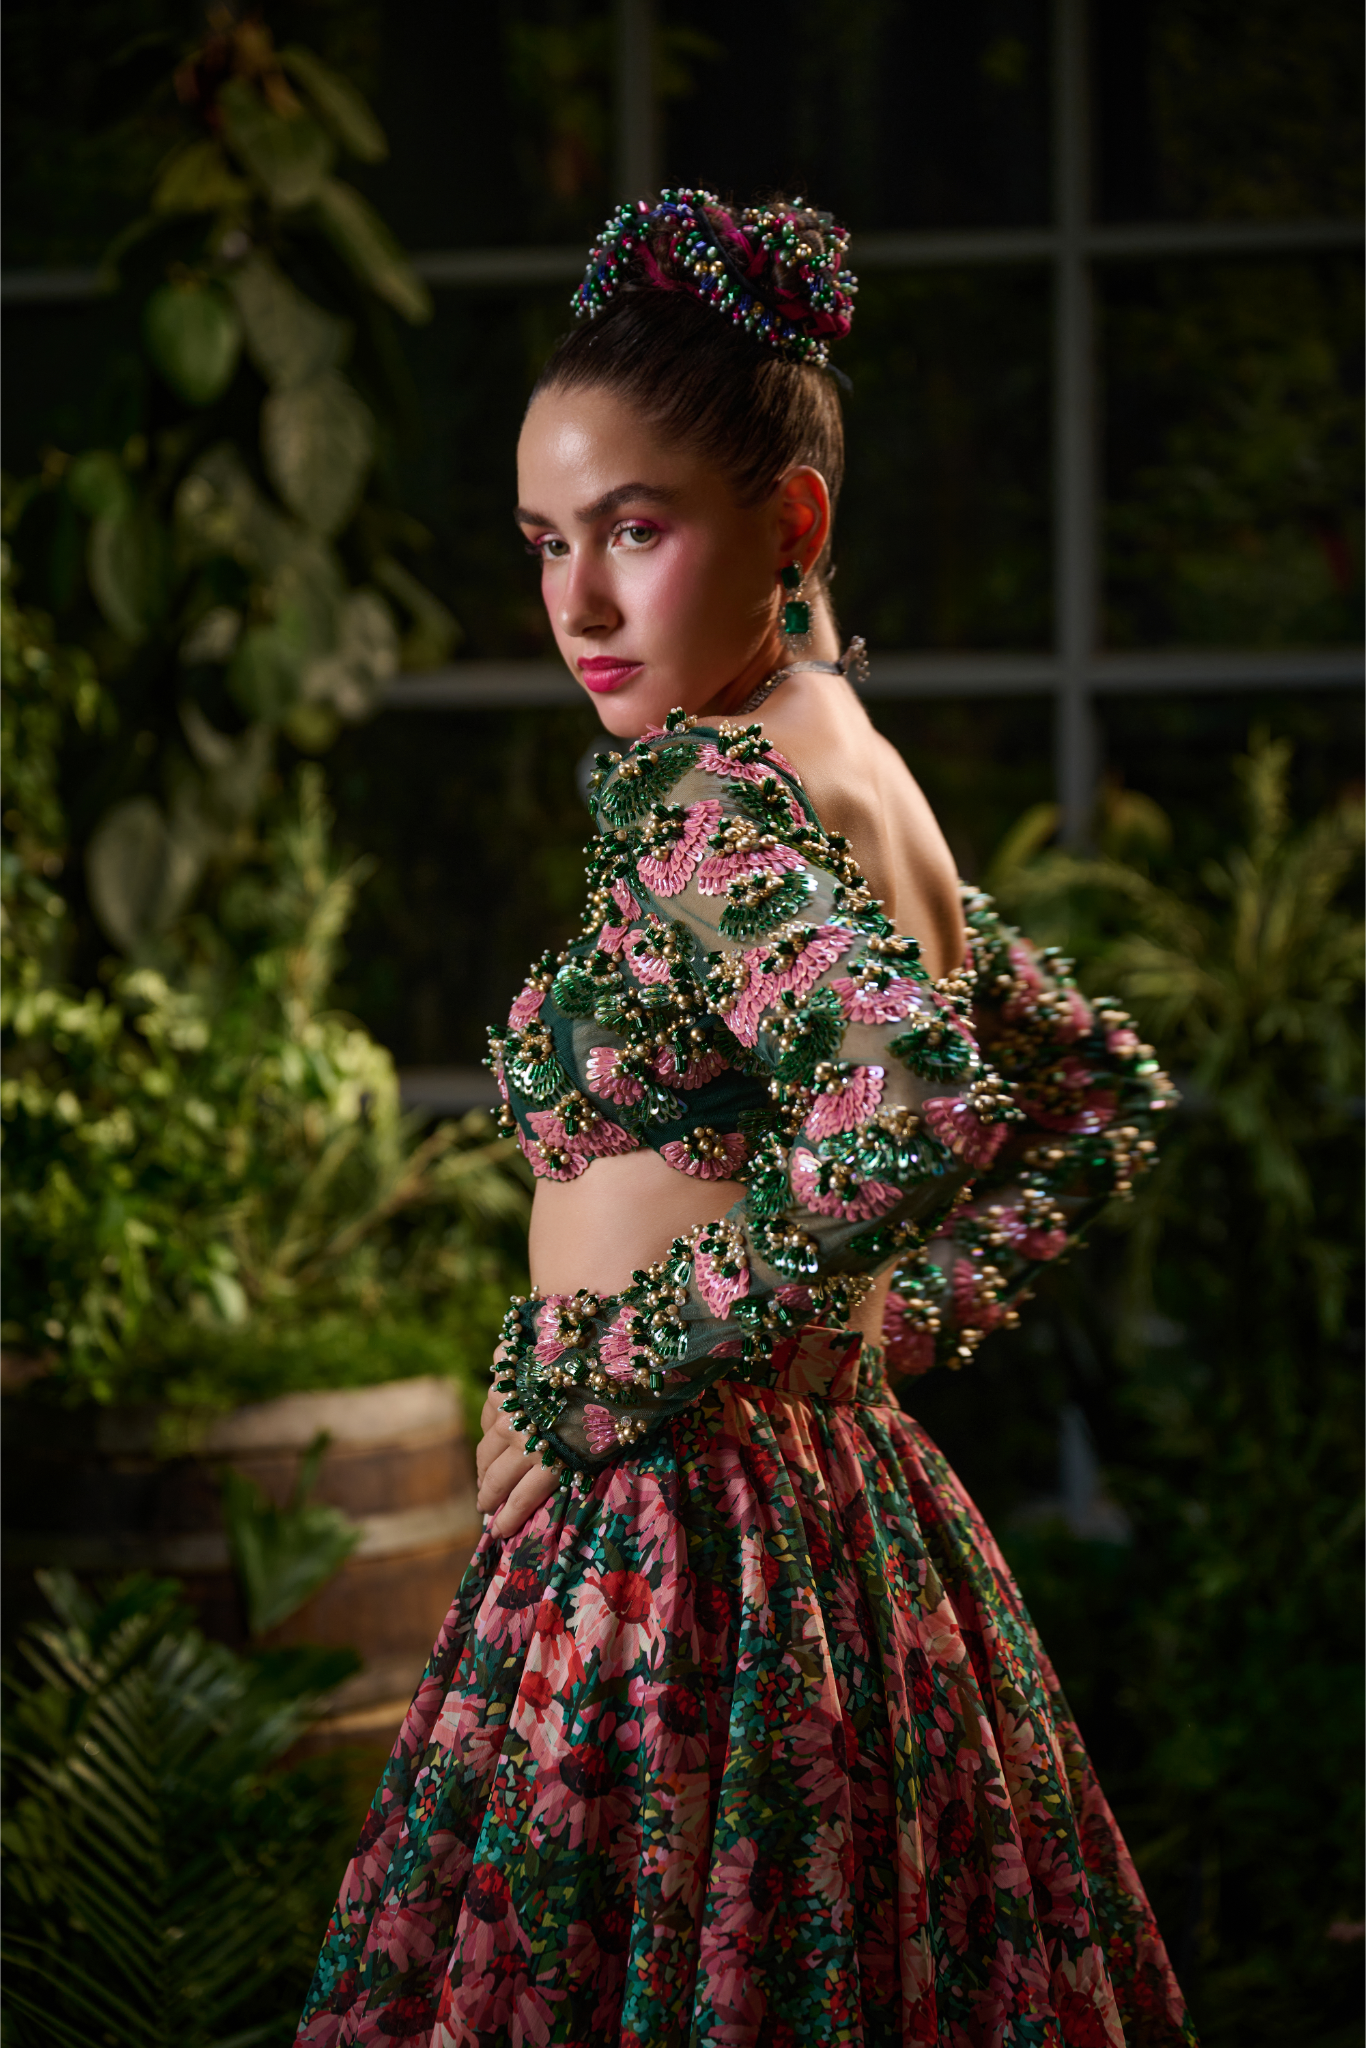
501, 1474
534, 1488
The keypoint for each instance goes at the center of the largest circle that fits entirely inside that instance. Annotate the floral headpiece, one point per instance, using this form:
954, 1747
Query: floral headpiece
773, 270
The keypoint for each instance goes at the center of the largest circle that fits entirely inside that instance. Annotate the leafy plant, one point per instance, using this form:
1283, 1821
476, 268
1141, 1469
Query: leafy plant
1220, 1655
211, 1189
228, 556
282, 1555
158, 1865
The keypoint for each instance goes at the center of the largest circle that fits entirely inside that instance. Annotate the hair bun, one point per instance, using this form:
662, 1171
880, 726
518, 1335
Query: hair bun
774, 270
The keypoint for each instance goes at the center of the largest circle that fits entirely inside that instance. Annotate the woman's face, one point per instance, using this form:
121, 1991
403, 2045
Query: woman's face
661, 590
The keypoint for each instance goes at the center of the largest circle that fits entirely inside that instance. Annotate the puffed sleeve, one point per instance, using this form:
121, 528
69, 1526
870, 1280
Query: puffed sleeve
880, 1112
1089, 1099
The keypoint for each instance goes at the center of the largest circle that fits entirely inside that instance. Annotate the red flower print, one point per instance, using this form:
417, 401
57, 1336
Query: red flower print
711, 1605
858, 1533
969, 1912
615, 1615
401, 2018
954, 1836
762, 1469
920, 1678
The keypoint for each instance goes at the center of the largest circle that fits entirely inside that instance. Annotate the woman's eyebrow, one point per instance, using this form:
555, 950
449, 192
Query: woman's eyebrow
603, 507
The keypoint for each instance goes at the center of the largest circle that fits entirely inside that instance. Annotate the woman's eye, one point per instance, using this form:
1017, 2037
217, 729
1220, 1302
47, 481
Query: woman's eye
637, 536
548, 550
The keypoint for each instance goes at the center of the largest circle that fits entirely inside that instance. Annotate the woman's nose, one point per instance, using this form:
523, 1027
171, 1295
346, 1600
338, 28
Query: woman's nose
586, 604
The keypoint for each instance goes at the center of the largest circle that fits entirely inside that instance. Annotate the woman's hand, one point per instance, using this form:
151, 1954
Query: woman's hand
512, 1482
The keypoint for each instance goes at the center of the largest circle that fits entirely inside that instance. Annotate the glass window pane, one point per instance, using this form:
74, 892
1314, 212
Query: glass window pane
1233, 463
1227, 110
893, 115
943, 531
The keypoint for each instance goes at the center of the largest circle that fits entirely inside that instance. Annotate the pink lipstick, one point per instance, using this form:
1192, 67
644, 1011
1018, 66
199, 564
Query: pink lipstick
603, 673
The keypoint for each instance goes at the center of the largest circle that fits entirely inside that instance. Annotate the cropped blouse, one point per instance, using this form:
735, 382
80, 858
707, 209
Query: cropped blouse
739, 1002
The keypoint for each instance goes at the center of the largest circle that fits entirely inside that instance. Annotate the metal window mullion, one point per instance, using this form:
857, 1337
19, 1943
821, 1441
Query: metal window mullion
1074, 432
637, 124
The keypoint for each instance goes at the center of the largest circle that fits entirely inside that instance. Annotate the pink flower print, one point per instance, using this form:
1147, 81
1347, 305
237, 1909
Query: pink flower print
1020, 1753
871, 1198
969, 1912
600, 1428
526, 1007
909, 1348
831, 1869
1060, 1890
675, 1730
669, 874
625, 901
955, 1125
508, 1610
1085, 2003
581, 1786
620, 1342
1010, 1873
403, 1934
615, 1615
844, 1108
703, 1067
746, 1886
488, 1925
707, 1154
720, 1290
605, 1077
719, 870
554, 1654
817, 1759
911, 1891
865, 1004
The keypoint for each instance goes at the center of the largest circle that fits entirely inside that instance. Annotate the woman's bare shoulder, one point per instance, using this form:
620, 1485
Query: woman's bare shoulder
858, 784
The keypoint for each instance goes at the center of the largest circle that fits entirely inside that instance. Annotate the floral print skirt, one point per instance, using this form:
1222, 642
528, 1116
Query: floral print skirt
748, 1742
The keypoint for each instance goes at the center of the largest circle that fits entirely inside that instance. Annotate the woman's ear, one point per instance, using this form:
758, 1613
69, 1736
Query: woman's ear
802, 505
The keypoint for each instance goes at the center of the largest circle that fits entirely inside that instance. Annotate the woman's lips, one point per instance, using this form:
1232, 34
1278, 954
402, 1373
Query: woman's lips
606, 672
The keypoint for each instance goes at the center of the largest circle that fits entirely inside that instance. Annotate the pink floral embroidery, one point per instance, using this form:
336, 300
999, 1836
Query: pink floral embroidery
619, 1343
549, 1342
1122, 1042
909, 1348
865, 1004
625, 901
717, 1289
599, 1429
763, 985
712, 761
872, 1198
1027, 1238
646, 965
600, 1140
846, 1107
612, 938
697, 1072
670, 876
605, 1077
527, 1006
677, 1155
1091, 1108
719, 870
971, 1309
955, 1125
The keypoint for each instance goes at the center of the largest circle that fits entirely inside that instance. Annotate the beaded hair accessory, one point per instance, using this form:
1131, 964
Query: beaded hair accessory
773, 270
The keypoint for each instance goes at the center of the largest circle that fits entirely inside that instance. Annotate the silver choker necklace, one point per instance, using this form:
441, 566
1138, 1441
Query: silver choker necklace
852, 663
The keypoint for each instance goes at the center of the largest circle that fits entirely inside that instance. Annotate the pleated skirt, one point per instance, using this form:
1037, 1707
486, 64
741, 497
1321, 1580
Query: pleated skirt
751, 1742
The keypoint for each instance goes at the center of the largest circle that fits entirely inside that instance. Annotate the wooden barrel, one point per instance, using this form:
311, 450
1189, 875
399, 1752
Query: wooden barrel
88, 1490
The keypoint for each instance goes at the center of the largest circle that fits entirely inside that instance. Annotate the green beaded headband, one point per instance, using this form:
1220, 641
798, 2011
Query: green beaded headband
773, 270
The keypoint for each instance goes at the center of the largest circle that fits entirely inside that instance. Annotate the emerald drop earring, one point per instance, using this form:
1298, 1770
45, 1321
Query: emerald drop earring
796, 610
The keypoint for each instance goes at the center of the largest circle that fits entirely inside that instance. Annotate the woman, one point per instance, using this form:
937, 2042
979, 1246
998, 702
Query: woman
737, 1731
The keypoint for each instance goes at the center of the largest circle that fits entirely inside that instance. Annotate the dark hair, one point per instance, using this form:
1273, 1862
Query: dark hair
705, 382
